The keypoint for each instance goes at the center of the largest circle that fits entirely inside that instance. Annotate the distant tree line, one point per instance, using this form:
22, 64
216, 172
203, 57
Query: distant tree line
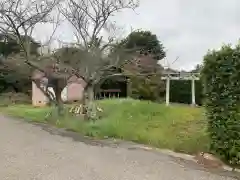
148, 86
11, 79
181, 92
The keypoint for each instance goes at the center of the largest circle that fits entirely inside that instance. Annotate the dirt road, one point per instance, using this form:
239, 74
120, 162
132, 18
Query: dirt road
30, 152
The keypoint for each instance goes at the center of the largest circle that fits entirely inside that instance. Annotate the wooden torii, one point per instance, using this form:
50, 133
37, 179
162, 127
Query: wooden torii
168, 76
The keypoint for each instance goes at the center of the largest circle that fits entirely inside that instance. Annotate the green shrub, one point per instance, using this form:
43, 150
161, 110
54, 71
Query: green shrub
221, 78
147, 88
14, 98
181, 92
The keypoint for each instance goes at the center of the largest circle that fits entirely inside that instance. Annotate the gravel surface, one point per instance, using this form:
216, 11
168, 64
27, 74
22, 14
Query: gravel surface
30, 152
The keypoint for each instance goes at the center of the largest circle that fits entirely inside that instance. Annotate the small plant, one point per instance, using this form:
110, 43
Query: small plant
93, 113
221, 75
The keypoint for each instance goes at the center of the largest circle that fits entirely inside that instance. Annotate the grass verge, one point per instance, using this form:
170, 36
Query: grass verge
178, 127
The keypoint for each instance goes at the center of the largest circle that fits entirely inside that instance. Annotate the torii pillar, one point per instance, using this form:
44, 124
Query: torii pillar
193, 93
167, 90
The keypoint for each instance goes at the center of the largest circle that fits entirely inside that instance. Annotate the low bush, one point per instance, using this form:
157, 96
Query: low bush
14, 98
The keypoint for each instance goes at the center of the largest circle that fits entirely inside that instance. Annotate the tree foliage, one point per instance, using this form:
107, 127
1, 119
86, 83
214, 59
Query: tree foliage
12, 65
180, 92
9, 45
15, 74
146, 42
145, 77
146, 72
221, 74
198, 68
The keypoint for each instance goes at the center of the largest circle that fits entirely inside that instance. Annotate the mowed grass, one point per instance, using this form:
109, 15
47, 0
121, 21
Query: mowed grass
178, 127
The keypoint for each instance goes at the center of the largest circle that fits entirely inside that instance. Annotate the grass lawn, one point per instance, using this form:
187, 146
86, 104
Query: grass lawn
178, 127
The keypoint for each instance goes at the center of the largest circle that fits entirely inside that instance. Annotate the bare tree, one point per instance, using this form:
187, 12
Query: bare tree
90, 18
95, 60
19, 19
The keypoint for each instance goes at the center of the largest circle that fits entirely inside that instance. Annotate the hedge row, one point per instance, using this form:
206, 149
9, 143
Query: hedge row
221, 78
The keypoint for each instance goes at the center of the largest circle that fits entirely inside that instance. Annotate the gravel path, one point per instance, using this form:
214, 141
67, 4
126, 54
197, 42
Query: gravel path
28, 152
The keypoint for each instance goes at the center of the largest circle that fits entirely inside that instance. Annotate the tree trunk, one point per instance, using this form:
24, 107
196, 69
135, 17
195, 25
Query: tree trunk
58, 91
59, 102
88, 102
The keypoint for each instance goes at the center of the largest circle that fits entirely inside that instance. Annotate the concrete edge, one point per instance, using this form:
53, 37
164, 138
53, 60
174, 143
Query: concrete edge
181, 155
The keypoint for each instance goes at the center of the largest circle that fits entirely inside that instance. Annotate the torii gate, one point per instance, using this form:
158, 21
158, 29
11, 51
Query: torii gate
180, 76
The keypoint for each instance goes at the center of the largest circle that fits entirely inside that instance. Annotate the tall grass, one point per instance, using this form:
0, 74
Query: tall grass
177, 127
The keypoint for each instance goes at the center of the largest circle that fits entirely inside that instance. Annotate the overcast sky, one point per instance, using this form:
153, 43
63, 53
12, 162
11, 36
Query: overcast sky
187, 28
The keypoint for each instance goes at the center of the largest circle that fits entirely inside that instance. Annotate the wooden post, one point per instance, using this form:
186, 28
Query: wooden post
167, 90
193, 92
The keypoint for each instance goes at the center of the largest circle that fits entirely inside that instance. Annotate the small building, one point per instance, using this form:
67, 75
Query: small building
72, 92
75, 88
